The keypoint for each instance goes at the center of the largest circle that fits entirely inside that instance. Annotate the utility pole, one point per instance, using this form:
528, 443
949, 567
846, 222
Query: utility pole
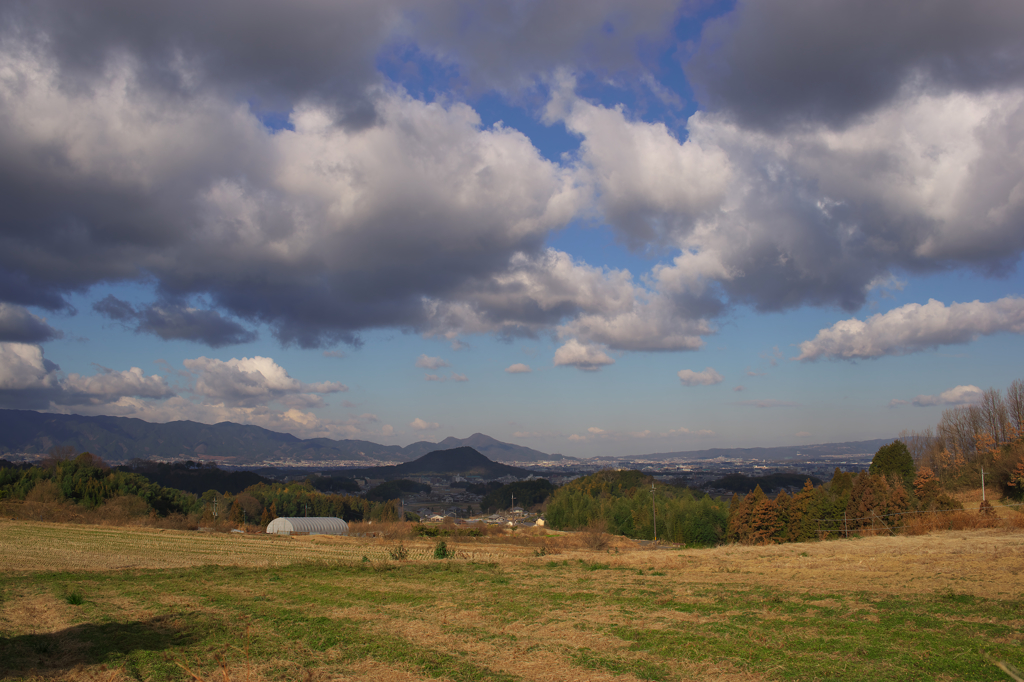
513, 509
654, 513
982, 482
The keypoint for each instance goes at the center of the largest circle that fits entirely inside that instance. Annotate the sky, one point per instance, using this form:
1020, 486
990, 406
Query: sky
597, 229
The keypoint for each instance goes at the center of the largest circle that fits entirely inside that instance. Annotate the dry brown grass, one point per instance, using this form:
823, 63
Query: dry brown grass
127, 510
957, 520
971, 500
487, 614
986, 562
30, 546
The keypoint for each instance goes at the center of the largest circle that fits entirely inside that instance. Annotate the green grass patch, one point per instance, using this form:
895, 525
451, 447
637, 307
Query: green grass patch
641, 669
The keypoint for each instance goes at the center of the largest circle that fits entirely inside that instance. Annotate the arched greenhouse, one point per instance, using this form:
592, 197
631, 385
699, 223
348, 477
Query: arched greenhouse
302, 525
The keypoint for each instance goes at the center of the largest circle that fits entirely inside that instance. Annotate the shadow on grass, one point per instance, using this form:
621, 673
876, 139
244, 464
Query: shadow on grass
88, 644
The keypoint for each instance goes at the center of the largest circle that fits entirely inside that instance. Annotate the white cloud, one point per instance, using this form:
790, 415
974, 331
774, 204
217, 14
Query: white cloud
22, 366
373, 209
958, 395
29, 381
803, 434
459, 377
420, 425
651, 324
585, 357
593, 305
708, 377
913, 328
648, 183
426, 362
241, 391
810, 214
251, 381
433, 377
111, 385
518, 368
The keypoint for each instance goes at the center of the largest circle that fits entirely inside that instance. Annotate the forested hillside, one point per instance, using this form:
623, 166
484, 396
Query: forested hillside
85, 489
86, 481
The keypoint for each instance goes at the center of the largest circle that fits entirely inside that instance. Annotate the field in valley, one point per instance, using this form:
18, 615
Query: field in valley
99, 603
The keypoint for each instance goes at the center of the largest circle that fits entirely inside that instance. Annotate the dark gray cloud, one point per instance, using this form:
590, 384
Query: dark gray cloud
132, 150
183, 188
21, 326
176, 321
775, 62
318, 233
129, 151
265, 52
507, 45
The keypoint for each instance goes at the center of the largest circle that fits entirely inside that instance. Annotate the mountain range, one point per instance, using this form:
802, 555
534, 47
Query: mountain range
118, 439
464, 461
775, 454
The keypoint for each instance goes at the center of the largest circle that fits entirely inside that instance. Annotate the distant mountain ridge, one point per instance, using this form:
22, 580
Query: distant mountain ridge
462, 461
485, 445
780, 453
122, 438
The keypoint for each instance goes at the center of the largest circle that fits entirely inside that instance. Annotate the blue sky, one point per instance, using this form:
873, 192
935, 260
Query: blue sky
601, 229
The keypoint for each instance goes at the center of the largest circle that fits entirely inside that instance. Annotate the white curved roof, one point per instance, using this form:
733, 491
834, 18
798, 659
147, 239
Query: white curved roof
314, 525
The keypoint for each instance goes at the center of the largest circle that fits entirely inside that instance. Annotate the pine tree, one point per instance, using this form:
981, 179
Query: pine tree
894, 459
863, 500
927, 488
801, 525
784, 505
741, 522
1017, 476
897, 504
764, 521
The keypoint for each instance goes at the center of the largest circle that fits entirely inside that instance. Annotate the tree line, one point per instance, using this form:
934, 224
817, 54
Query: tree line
968, 439
633, 504
85, 481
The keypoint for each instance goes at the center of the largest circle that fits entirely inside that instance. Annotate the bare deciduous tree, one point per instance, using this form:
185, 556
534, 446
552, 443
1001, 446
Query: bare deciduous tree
1015, 406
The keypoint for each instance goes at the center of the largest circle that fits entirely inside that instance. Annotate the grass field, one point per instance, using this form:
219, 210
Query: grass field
93, 603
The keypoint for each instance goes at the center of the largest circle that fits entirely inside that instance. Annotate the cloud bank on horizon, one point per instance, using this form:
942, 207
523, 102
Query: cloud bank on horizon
310, 175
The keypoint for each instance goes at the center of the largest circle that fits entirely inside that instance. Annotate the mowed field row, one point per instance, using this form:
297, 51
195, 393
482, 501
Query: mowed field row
27, 546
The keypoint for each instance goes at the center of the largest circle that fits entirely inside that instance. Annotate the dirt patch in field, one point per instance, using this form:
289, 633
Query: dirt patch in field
34, 614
